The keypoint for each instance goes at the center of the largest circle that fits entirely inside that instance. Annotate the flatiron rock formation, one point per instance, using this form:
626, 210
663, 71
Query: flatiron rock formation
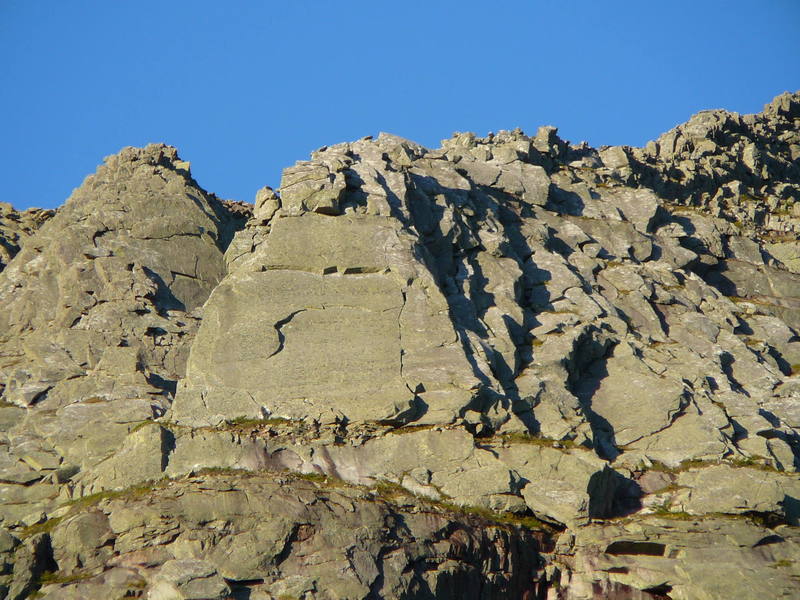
510, 367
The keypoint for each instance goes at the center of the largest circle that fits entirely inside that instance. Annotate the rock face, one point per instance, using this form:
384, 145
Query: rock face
510, 367
16, 227
218, 533
99, 311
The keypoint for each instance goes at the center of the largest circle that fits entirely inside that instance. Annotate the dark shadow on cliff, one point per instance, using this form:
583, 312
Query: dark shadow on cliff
168, 386
232, 217
519, 549
446, 220
564, 202
612, 495
355, 197
588, 370
449, 223
164, 300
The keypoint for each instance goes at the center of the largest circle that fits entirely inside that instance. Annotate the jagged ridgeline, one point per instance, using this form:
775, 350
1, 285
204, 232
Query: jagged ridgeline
508, 368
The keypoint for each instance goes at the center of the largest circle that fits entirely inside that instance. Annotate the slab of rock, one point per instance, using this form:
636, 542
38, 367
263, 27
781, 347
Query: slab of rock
728, 489
700, 558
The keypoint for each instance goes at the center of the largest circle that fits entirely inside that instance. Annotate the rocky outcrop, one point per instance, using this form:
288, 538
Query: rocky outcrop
497, 295
99, 310
284, 537
16, 227
679, 558
510, 367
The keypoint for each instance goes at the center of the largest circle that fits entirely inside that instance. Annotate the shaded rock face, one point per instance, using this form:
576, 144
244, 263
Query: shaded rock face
510, 367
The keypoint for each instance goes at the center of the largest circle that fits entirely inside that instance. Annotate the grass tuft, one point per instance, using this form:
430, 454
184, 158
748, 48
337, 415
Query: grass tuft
131, 493
498, 518
52, 578
393, 492
410, 429
315, 477
37, 528
783, 563
535, 440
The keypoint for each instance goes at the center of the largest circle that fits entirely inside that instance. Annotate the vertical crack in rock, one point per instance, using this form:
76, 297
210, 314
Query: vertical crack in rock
400, 335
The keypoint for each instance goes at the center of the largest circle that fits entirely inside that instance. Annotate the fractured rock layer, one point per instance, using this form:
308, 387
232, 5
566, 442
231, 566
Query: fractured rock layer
16, 227
281, 537
599, 345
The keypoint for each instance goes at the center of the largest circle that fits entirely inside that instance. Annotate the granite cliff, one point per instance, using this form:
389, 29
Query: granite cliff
510, 367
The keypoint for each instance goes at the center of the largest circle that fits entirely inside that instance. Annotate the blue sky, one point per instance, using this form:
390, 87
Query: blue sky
246, 88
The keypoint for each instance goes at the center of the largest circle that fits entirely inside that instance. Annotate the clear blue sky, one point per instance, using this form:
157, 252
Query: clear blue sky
246, 88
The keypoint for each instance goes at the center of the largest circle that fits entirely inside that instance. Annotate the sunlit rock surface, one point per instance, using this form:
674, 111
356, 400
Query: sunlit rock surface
510, 367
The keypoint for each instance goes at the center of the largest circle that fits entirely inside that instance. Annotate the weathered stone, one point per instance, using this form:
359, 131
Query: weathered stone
508, 324
614, 157
627, 400
697, 558
566, 487
188, 580
82, 542
309, 187
725, 489
17, 227
302, 537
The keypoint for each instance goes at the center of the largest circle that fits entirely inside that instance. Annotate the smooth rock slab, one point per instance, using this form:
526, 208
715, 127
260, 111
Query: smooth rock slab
728, 489
264, 333
331, 318
188, 579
